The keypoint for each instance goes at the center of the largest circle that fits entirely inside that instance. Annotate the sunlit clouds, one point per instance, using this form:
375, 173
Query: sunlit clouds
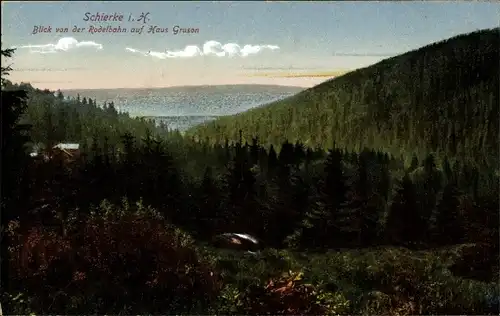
210, 48
64, 44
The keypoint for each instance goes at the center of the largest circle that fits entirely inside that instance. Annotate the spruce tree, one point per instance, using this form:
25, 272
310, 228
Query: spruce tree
209, 198
365, 204
449, 220
14, 159
403, 222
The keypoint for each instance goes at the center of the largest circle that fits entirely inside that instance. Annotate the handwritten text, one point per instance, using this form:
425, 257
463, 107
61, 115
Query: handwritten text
115, 22
103, 17
108, 28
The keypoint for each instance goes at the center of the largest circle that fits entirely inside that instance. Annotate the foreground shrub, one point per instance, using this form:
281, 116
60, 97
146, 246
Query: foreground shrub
285, 295
398, 281
478, 262
426, 286
118, 259
19, 304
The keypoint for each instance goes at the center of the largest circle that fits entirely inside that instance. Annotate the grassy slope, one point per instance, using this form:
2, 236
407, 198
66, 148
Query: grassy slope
440, 98
365, 276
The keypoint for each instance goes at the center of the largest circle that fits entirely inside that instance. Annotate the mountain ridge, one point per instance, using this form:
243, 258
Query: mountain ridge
182, 88
440, 98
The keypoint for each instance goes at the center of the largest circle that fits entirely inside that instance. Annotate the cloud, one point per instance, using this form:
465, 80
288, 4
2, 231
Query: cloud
291, 67
50, 81
291, 74
365, 54
63, 45
46, 69
210, 48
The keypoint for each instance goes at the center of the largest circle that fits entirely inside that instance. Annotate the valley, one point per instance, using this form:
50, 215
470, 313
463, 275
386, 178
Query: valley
375, 192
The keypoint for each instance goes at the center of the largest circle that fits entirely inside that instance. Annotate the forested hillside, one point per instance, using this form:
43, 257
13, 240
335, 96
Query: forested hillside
54, 117
441, 98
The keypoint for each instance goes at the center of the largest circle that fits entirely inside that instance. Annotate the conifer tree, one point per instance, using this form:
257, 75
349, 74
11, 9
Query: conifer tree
403, 222
209, 204
449, 220
429, 193
14, 159
272, 160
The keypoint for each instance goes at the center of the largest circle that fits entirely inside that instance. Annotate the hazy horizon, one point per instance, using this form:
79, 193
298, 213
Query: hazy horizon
186, 86
231, 42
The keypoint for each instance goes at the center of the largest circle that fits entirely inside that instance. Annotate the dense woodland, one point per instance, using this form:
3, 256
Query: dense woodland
127, 228
441, 99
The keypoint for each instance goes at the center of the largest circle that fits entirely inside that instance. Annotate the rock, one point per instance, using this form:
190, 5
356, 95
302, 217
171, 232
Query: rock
237, 241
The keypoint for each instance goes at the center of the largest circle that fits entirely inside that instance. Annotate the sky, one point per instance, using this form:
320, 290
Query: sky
231, 42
